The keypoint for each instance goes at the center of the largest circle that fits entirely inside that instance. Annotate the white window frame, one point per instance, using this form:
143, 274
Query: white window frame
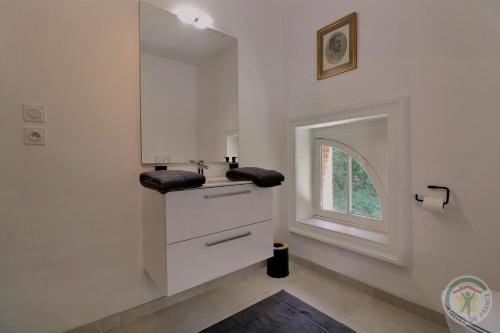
393, 246
348, 218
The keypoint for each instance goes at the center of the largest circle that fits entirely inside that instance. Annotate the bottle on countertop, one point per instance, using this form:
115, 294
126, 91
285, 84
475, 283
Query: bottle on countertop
160, 167
161, 162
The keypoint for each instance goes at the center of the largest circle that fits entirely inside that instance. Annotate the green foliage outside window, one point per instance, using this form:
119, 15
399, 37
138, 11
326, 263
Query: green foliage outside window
365, 200
364, 197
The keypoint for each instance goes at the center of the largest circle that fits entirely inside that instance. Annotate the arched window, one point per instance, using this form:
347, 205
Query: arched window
348, 190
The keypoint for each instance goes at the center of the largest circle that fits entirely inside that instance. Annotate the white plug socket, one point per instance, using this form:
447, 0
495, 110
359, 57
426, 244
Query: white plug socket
34, 136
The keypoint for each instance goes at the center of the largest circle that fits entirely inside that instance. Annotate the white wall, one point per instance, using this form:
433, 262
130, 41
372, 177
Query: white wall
444, 56
70, 212
169, 91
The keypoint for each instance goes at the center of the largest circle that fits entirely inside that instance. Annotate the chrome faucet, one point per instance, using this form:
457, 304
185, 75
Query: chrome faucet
200, 164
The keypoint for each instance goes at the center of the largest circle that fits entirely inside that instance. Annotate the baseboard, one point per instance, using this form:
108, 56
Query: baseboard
416, 309
108, 323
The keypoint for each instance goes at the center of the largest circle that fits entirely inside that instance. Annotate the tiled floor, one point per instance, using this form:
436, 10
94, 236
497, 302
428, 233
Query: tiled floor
354, 308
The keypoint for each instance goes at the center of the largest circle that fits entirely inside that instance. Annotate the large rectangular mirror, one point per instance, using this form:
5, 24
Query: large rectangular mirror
189, 90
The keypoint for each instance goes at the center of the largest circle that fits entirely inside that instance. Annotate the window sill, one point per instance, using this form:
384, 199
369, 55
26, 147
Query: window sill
360, 240
354, 231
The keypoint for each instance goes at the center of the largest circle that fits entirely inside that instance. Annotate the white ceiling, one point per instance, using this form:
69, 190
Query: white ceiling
162, 34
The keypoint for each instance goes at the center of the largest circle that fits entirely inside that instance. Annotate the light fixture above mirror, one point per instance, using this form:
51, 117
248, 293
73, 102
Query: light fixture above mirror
191, 15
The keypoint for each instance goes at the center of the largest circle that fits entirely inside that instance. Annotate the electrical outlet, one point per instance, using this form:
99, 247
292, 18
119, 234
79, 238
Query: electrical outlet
34, 113
34, 136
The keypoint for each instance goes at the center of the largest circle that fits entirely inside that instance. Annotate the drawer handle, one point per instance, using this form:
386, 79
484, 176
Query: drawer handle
219, 195
229, 239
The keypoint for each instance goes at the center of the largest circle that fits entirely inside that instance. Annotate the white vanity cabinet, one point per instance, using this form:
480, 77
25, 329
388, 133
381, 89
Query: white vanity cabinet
193, 236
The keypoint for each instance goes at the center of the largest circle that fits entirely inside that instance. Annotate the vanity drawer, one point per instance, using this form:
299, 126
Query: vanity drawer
199, 212
193, 262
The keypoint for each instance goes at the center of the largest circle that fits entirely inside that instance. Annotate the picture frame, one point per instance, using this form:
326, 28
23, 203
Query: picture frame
337, 47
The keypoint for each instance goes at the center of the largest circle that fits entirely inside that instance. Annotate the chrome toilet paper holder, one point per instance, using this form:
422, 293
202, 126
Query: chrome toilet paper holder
433, 187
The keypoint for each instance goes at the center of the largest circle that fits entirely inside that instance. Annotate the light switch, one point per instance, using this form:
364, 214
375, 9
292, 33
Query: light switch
34, 136
34, 113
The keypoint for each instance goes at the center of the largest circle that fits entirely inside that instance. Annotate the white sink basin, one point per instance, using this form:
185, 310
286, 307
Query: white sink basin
217, 180
222, 181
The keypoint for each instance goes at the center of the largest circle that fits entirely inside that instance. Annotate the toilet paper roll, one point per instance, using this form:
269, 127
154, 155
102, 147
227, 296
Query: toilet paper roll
434, 204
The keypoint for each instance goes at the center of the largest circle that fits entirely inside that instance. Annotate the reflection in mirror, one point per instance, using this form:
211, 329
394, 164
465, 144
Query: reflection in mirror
189, 90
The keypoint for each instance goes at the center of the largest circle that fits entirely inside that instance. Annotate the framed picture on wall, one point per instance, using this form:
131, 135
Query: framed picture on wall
337, 47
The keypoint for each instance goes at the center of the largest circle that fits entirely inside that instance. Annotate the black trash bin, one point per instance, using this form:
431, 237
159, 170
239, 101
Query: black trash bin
277, 265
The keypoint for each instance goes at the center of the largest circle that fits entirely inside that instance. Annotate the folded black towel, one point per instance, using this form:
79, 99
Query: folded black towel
165, 181
260, 177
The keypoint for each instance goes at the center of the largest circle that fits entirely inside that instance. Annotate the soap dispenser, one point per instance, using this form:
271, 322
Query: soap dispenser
233, 164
